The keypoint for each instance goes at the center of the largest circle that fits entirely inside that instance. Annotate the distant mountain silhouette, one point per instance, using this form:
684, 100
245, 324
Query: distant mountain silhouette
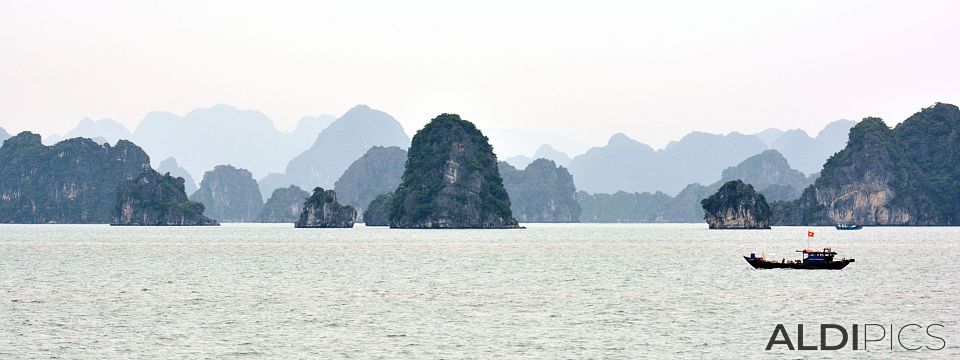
808, 154
204, 138
545, 151
3, 135
307, 130
209, 136
767, 171
519, 161
769, 136
337, 146
548, 152
108, 130
627, 165
169, 165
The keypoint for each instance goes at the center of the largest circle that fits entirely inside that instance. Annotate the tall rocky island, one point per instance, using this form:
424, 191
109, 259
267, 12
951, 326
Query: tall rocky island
321, 210
908, 175
284, 205
73, 181
151, 199
378, 211
230, 194
736, 206
542, 192
451, 181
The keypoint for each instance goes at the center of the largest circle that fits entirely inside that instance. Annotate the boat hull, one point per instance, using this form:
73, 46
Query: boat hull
765, 264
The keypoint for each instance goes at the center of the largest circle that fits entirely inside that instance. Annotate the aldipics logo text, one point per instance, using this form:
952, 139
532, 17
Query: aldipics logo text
866, 337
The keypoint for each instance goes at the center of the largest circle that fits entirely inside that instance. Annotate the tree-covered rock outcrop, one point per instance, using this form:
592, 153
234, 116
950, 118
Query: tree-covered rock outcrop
229, 194
908, 175
169, 165
378, 211
151, 199
284, 205
376, 172
541, 193
451, 180
321, 210
73, 181
736, 206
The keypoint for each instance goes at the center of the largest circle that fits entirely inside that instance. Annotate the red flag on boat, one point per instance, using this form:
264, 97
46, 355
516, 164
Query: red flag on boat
809, 233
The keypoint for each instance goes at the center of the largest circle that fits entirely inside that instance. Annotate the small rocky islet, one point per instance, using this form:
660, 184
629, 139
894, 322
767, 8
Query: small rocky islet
321, 210
736, 206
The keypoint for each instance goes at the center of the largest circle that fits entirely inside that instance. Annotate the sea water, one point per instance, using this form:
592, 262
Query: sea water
548, 291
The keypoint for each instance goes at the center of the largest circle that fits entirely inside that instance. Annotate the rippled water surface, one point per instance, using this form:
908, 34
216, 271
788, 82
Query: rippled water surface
610, 291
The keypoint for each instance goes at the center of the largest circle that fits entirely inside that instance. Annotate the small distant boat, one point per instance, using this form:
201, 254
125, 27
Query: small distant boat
845, 226
812, 260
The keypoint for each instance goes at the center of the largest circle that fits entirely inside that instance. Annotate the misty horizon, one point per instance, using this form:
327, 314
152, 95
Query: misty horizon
653, 71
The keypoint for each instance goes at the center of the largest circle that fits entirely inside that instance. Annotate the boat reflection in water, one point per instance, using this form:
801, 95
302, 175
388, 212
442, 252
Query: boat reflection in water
812, 260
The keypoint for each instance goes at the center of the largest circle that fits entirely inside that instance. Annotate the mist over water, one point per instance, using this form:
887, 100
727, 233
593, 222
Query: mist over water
574, 290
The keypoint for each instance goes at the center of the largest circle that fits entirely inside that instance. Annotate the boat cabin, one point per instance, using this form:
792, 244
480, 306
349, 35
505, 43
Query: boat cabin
811, 256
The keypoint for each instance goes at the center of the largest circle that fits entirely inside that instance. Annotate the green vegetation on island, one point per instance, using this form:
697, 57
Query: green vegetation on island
451, 180
736, 206
151, 199
74, 181
321, 210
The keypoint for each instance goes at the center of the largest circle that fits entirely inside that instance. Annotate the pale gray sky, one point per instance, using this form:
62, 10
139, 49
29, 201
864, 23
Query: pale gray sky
653, 70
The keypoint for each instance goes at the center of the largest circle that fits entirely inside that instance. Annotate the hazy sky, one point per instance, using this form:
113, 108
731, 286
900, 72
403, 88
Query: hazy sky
654, 71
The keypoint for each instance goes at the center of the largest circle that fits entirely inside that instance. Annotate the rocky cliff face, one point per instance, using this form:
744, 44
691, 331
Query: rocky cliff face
151, 199
321, 210
376, 172
451, 180
736, 206
378, 211
541, 193
229, 194
74, 181
902, 176
284, 205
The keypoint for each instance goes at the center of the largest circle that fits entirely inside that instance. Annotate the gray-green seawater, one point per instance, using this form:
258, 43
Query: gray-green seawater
549, 291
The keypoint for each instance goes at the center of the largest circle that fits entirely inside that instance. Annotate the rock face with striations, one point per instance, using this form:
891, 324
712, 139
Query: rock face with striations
230, 194
908, 175
541, 193
736, 206
451, 181
321, 210
376, 172
378, 211
151, 199
73, 181
284, 206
